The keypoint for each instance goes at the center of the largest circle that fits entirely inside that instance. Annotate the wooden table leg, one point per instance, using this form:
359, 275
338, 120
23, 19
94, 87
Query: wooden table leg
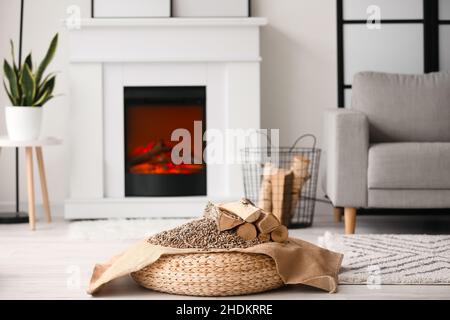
30, 182
41, 166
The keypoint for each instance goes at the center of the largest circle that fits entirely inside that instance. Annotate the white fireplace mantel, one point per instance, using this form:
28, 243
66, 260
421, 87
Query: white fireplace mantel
107, 55
172, 39
174, 22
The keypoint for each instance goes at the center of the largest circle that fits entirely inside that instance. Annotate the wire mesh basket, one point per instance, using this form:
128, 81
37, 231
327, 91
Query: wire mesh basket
283, 180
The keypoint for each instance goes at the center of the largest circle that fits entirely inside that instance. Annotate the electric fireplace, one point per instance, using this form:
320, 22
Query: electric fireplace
155, 165
176, 53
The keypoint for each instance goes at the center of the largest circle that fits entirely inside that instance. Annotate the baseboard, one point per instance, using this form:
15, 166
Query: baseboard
163, 207
74, 210
56, 208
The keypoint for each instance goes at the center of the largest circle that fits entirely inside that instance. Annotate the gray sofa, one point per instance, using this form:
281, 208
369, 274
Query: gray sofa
391, 149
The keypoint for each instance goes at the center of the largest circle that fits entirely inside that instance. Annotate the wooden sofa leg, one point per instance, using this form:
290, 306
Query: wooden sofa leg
338, 213
350, 220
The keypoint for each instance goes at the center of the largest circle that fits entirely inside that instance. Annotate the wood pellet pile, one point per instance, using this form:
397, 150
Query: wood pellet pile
200, 234
233, 225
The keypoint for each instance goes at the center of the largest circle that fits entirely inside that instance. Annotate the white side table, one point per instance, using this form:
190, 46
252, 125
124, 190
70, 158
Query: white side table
29, 145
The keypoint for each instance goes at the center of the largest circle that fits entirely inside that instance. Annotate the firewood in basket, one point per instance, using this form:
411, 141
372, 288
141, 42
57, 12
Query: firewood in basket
267, 222
247, 231
242, 209
280, 234
265, 191
264, 237
282, 194
224, 220
300, 166
158, 149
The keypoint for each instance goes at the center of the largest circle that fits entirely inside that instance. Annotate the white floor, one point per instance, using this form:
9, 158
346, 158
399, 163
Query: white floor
47, 264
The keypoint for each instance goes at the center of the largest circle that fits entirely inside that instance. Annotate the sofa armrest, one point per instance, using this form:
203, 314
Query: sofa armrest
347, 135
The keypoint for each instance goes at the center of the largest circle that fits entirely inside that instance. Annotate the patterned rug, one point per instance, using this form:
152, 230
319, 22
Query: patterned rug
392, 259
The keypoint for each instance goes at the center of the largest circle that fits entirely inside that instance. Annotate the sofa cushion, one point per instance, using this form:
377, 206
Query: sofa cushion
409, 199
404, 108
409, 166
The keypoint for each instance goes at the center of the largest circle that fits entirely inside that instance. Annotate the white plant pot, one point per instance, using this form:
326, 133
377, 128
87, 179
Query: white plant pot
23, 123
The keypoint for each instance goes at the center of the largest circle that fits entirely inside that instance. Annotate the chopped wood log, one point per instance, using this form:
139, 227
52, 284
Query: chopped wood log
228, 221
280, 234
242, 209
267, 222
247, 231
224, 220
300, 165
265, 191
264, 237
282, 194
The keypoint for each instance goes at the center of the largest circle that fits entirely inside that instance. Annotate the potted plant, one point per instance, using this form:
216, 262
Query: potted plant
28, 89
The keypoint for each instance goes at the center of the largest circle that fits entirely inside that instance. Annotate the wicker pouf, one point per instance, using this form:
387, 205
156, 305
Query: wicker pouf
210, 274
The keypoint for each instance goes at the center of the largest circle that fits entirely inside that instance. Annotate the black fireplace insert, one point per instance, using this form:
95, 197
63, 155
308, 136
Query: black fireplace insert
152, 114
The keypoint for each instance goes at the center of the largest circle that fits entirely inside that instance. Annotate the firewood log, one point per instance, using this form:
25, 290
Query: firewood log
280, 234
228, 221
243, 209
300, 165
224, 220
264, 237
265, 191
247, 231
148, 156
267, 222
282, 194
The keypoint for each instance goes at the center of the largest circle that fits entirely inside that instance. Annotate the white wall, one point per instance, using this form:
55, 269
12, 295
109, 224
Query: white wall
298, 73
299, 69
9, 29
43, 18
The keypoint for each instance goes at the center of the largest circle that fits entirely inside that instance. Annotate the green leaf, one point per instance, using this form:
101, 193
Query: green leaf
13, 55
12, 79
49, 84
44, 100
11, 98
29, 62
40, 88
13, 51
47, 59
19, 86
21, 100
28, 84
46, 92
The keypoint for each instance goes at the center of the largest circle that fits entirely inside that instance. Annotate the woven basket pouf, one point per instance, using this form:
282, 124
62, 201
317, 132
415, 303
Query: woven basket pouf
210, 274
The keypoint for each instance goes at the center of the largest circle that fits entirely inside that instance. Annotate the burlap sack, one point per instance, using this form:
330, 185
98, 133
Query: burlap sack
297, 261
